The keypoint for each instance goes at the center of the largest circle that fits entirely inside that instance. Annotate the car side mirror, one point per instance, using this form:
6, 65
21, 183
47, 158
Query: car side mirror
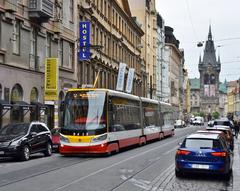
179, 144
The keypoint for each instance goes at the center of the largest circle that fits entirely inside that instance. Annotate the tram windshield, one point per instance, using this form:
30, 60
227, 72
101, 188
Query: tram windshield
85, 112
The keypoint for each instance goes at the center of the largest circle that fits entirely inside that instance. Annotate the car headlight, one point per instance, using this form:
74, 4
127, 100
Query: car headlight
99, 138
64, 139
4, 144
15, 143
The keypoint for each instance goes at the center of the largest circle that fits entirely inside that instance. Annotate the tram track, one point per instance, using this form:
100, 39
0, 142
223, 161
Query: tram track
47, 168
65, 162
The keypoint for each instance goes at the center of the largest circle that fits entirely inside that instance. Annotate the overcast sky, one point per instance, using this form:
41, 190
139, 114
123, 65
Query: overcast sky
190, 20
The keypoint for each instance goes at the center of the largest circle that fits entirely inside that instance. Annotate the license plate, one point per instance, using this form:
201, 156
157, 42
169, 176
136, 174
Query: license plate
200, 166
55, 146
1, 152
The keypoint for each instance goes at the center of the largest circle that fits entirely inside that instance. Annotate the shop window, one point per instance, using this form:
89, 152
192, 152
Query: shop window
34, 95
16, 95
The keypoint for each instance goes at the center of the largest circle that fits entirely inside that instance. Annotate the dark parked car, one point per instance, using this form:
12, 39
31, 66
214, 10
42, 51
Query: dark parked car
223, 122
55, 138
23, 139
228, 132
204, 153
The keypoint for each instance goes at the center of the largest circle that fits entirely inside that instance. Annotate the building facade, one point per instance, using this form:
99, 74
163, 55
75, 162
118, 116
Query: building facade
209, 68
160, 83
146, 14
30, 32
115, 39
175, 63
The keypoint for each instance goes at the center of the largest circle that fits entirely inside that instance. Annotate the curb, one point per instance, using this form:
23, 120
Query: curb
236, 166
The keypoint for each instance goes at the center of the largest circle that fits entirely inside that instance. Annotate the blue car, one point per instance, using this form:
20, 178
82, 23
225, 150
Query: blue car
204, 153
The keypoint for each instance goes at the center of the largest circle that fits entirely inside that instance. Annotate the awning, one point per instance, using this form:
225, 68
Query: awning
39, 105
22, 104
4, 105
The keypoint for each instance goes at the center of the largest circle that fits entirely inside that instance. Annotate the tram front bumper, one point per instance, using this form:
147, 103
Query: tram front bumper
78, 149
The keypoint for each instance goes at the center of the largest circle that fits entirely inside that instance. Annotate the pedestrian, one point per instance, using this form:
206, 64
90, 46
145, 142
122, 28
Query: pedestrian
236, 128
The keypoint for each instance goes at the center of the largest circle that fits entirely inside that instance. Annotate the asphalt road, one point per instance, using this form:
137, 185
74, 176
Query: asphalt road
147, 168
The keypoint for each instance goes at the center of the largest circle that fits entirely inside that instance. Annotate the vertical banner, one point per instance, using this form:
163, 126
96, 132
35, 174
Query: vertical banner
121, 76
130, 80
51, 79
84, 40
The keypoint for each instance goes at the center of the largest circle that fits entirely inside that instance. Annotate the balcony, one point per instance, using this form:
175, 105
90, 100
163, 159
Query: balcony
10, 6
40, 10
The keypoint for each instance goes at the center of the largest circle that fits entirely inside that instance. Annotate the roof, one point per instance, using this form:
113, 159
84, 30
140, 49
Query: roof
206, 131
223, 87
203, 136
194, 83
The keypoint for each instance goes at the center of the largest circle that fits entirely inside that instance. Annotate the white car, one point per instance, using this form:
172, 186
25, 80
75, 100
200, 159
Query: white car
179, 124
198, 121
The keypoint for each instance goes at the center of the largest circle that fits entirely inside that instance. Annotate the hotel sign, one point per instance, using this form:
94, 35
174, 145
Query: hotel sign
84, 40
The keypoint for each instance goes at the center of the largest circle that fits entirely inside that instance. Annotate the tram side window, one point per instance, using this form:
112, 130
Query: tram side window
124, 116
151, 116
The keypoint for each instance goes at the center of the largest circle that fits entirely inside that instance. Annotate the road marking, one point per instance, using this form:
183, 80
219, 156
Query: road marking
169, 151
116, 164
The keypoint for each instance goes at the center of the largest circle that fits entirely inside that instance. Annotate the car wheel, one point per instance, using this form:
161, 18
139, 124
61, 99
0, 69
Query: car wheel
48, 151
178, 173
228, 175
25, 153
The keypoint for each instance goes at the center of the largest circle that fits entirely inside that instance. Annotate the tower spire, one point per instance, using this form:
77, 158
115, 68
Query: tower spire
210, 33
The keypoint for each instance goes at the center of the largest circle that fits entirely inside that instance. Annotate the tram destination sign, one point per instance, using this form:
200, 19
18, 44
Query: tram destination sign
84, 40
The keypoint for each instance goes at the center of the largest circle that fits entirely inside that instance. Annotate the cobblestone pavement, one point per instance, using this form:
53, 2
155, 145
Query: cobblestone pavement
192, 182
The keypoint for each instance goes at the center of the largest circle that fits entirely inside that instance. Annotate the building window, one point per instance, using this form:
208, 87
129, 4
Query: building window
60, 52
48, 45
33, 50
0, 91
16, 37
71, 9
71, 56
17, 93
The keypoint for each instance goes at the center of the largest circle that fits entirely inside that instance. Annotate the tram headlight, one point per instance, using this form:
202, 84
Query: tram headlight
99, 138
64, 139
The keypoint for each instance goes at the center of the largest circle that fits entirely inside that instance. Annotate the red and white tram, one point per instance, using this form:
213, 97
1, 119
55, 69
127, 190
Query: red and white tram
104, 121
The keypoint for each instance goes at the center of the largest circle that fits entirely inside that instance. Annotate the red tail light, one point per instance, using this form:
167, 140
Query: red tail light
219, 154
182, 152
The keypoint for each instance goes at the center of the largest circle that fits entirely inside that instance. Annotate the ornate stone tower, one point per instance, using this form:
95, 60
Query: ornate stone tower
209, 68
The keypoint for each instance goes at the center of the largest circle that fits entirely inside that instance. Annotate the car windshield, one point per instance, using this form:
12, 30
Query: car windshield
202, 143
14, 129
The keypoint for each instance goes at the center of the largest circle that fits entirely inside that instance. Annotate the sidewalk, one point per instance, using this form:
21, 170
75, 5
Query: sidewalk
236, 165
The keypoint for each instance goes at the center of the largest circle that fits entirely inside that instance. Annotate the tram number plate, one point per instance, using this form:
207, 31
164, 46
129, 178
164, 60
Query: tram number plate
200, 166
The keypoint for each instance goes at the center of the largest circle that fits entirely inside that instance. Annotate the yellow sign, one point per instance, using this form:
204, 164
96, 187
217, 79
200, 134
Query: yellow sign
51, 79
